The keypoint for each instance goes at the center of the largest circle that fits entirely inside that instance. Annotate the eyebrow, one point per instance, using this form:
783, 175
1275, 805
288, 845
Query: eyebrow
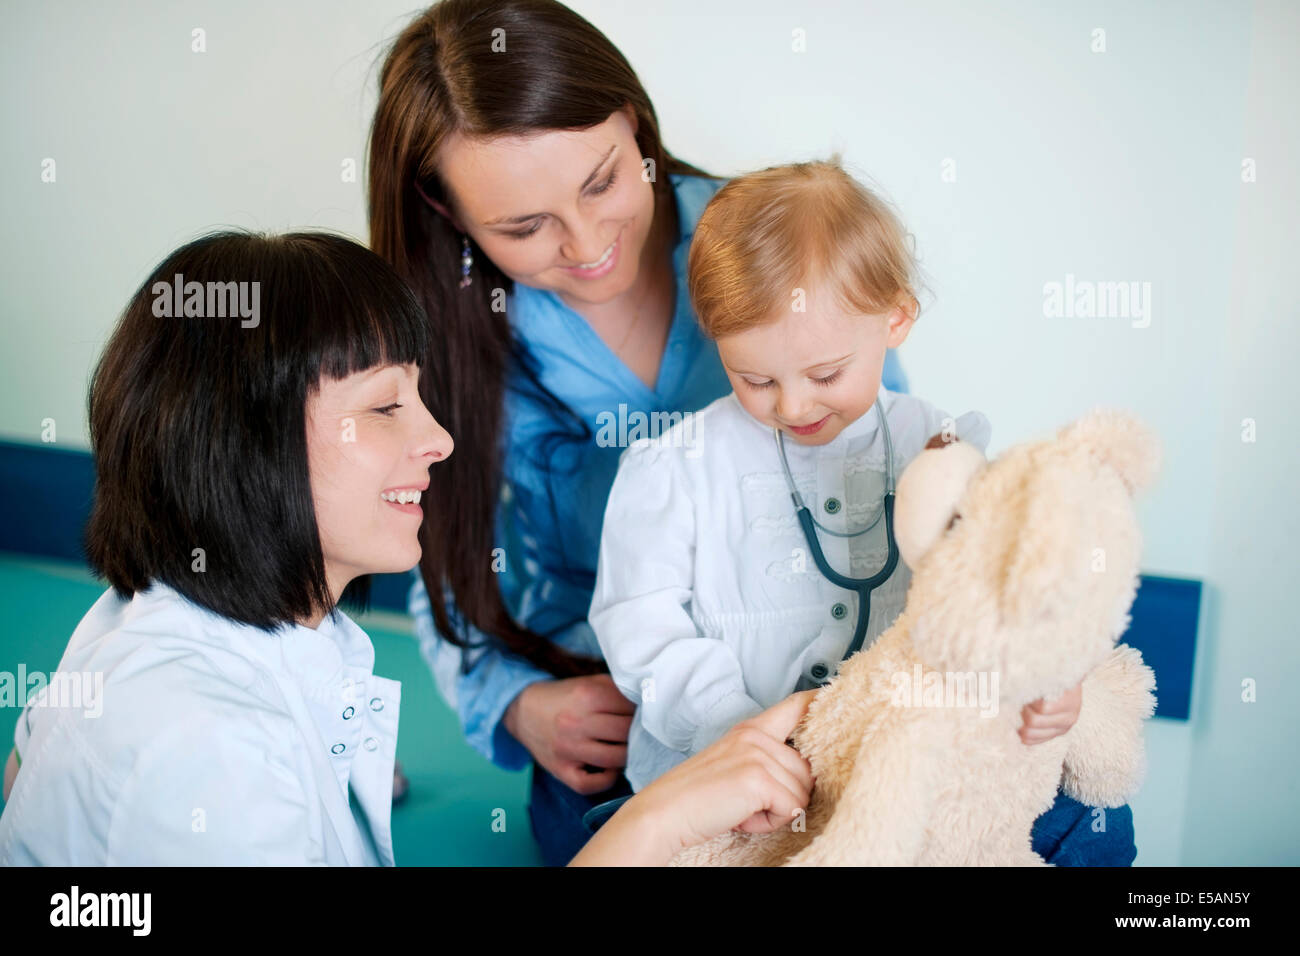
741, 371
517, 220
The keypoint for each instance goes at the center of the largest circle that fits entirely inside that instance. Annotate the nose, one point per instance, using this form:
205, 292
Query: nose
792, 406
435, 442
584, 244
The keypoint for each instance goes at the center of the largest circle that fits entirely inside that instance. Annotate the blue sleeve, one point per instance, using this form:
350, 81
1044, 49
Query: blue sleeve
893, 377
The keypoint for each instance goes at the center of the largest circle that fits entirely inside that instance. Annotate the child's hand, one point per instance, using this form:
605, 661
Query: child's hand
1044, 720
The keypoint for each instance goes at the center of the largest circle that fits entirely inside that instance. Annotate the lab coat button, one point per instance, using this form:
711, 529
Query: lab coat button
376, 704
338, 749
371, 743
832, 506
819, 671
348, 712
838, 611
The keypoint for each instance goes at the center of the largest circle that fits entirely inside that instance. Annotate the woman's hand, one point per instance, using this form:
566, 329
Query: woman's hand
566, 724
748, 780
1044, 720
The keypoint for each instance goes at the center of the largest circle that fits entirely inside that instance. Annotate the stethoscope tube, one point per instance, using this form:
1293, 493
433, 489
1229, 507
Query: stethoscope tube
861, 586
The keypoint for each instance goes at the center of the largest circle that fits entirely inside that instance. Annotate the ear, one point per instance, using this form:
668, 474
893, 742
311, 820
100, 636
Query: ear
901, 318
438, 206
1120, 441
929, 489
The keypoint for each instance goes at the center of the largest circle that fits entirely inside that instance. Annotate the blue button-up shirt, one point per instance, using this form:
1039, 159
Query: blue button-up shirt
553, 502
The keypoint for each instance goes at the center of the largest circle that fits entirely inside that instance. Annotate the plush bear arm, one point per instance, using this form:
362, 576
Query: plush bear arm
880, 818
1106, 759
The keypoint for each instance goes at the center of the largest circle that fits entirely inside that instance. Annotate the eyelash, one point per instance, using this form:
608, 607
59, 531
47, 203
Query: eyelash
605, 187
828, 380
388, 409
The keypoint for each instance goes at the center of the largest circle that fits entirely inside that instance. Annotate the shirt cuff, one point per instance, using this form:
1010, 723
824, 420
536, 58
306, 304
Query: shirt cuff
507, 752
722, 716
503, 749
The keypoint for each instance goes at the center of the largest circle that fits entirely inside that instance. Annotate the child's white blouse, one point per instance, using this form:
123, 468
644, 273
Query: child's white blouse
708, 606
173, 736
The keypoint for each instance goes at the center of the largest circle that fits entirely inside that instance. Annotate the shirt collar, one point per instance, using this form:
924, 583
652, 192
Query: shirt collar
311, 656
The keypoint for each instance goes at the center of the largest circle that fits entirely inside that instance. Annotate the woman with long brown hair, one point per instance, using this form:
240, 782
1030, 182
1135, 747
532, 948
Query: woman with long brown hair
518, 183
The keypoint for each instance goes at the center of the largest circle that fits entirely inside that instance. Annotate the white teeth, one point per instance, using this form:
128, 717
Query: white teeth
404, 497
602, 260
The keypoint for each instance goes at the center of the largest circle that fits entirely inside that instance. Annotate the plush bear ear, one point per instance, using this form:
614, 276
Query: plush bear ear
1120, 440
925, 501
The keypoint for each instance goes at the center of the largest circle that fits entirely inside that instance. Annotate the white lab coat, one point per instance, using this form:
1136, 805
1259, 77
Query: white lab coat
708, 605
214, 744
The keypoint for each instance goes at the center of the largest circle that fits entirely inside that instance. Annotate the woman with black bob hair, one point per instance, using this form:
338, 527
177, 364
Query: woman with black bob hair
260, 448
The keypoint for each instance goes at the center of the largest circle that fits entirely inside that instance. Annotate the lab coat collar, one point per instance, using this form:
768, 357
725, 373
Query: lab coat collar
314, 656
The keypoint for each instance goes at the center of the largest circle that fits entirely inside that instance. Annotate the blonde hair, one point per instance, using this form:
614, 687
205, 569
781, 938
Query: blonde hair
768, 233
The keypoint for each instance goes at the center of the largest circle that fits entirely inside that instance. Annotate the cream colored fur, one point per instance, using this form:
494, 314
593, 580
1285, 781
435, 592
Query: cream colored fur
1032, 583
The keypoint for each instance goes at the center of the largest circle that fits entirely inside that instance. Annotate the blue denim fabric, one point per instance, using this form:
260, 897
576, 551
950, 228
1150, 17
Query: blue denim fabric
1063, 836
555, 811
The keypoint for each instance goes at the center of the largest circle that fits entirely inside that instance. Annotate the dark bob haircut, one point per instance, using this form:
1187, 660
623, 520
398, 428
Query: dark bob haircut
198, 416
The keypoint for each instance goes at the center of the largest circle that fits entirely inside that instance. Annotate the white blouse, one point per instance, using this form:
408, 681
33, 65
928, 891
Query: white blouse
708, 606
172, 736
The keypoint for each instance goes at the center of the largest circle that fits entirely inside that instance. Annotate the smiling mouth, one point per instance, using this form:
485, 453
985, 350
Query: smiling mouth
809, 429
599, 262
402, 496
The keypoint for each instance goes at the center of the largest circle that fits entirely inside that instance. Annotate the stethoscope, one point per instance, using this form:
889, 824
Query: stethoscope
597, 815
863, 586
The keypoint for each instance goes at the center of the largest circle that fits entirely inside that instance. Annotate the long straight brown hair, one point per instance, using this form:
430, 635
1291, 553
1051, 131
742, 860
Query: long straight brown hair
443, 76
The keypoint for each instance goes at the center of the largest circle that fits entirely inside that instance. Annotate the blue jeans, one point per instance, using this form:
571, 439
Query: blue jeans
1062, 836
556, 810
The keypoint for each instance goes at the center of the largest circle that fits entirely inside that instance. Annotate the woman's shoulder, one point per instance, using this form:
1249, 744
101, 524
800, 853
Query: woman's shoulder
695, 191
166, 741
158, 661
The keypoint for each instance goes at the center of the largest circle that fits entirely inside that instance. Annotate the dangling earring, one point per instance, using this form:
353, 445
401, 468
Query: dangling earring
466, 260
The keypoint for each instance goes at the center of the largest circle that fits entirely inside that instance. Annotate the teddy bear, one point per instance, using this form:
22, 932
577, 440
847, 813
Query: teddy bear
1023, 573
